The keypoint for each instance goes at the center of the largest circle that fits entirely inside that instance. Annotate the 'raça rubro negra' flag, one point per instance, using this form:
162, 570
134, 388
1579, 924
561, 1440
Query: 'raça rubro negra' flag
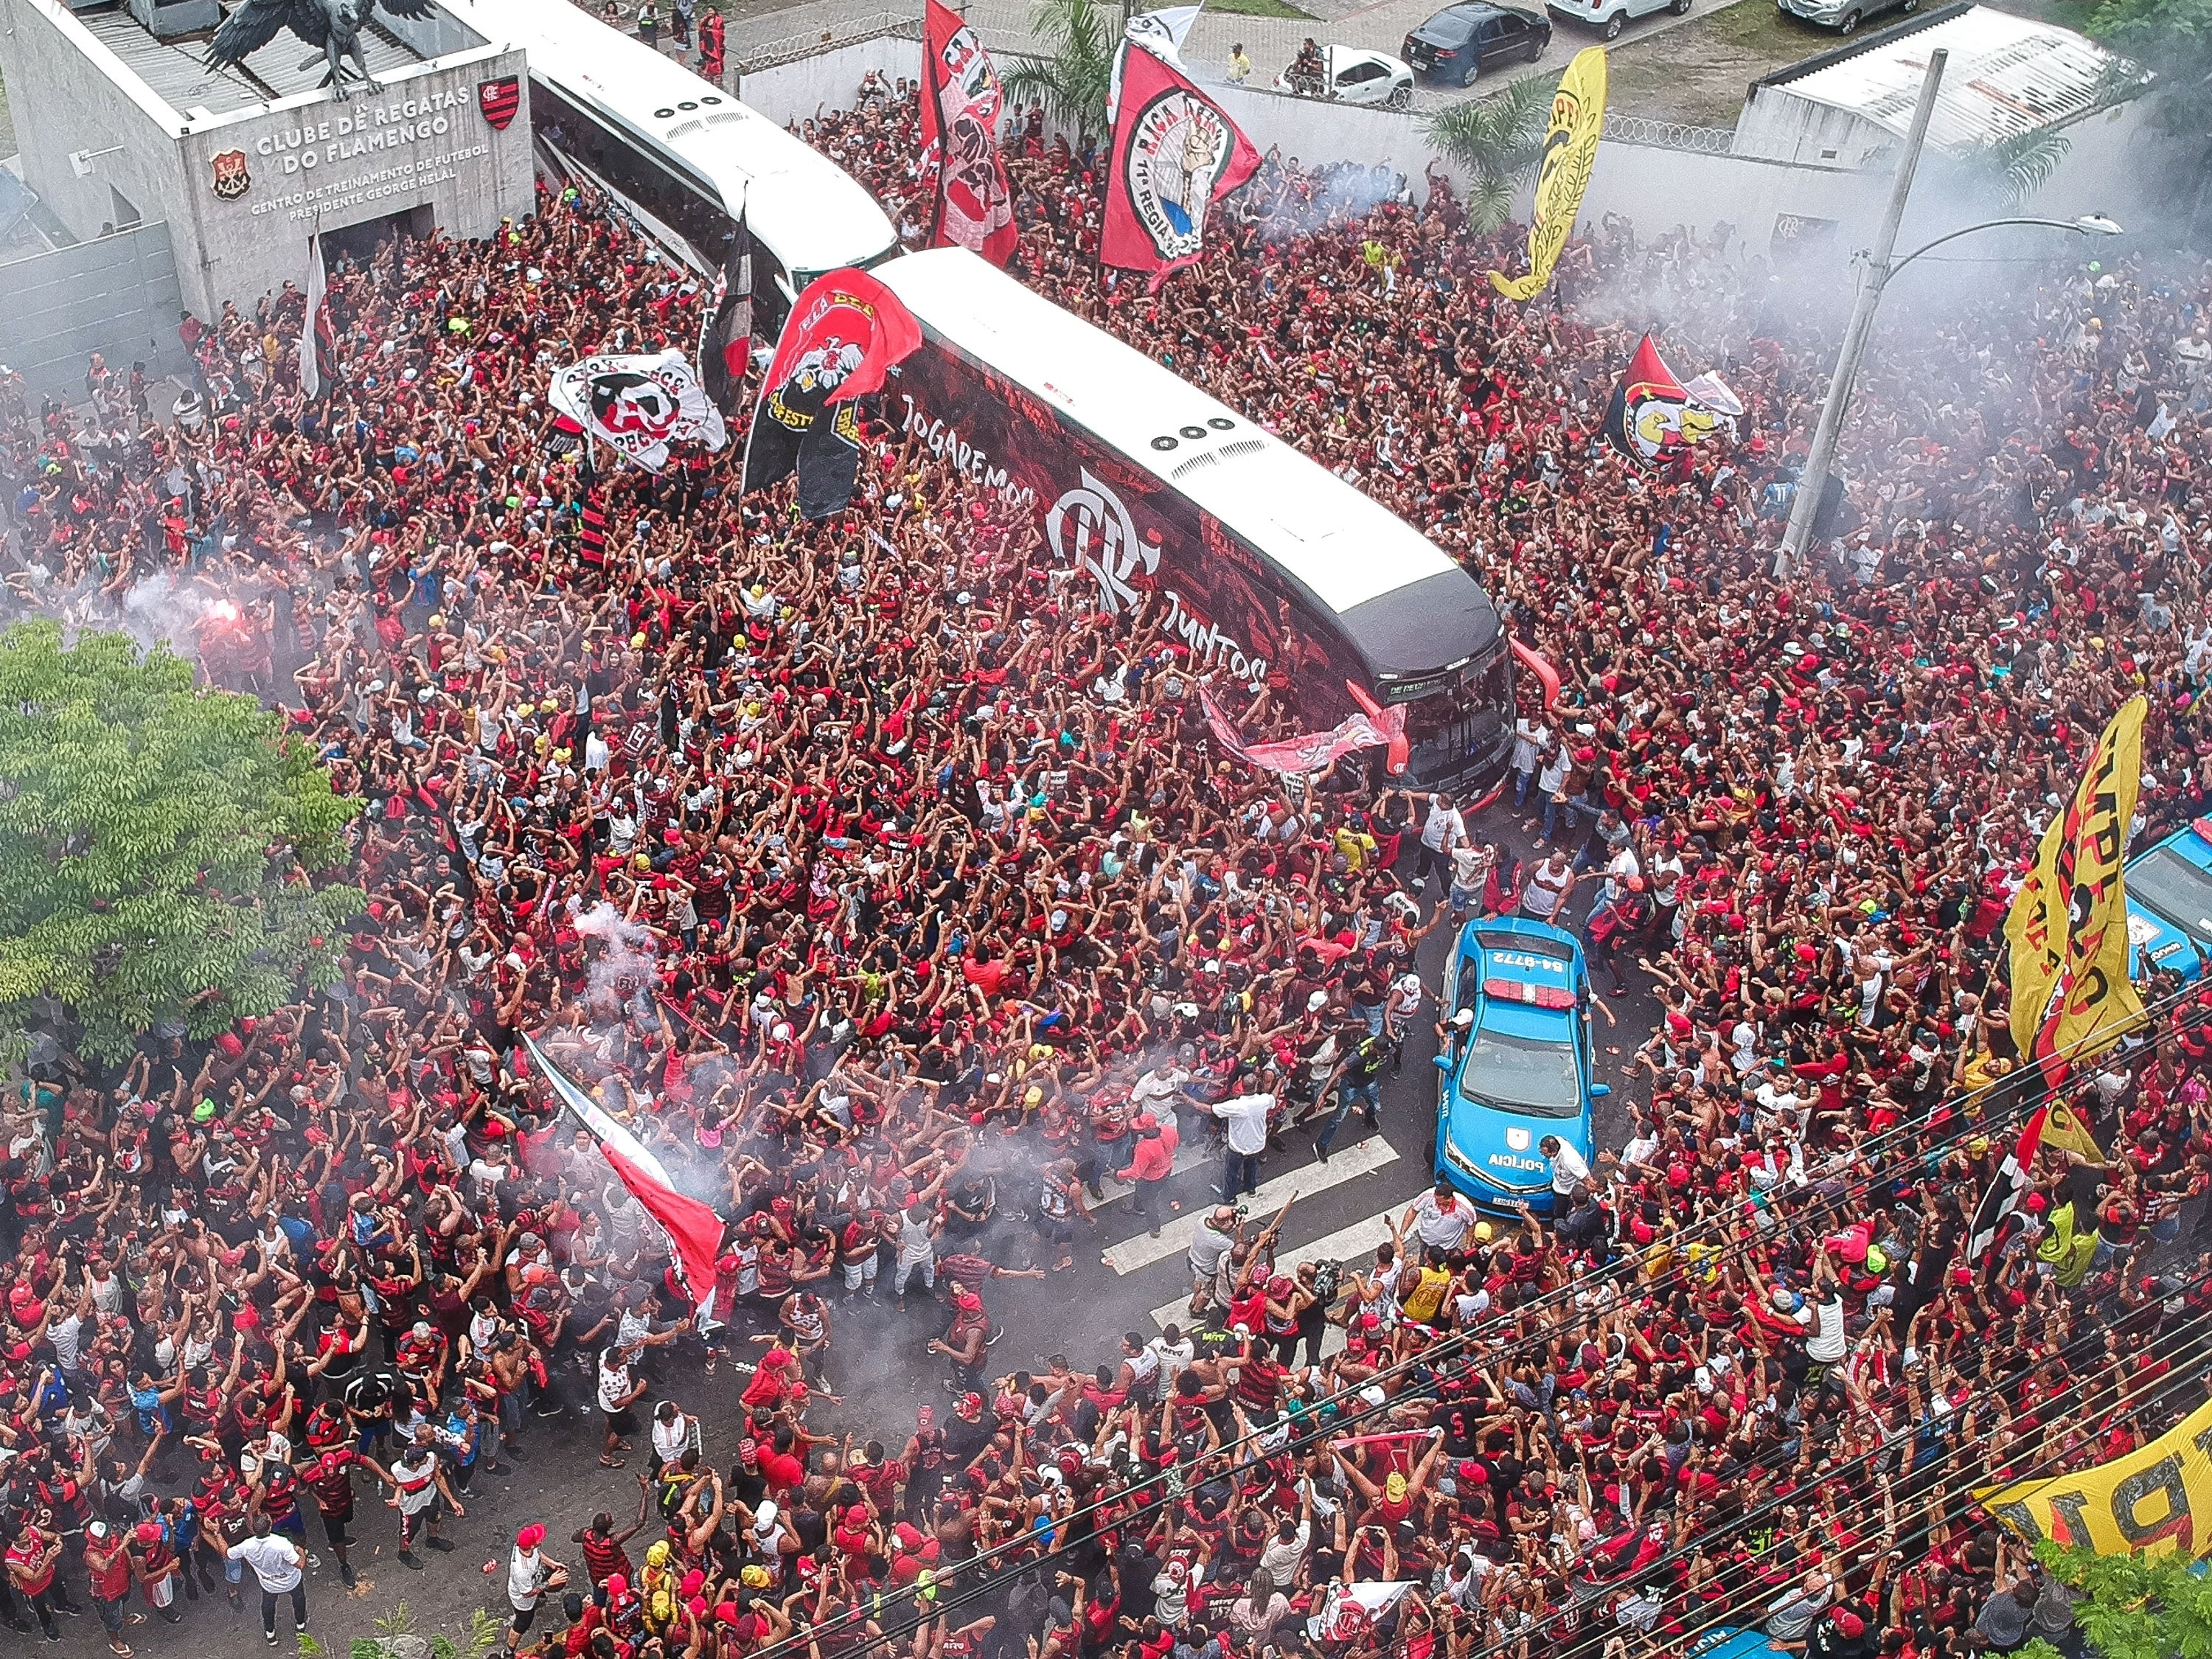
1175, 156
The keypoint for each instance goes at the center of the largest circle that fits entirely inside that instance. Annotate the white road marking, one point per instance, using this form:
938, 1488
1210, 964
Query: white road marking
1190, 1152
1349, 1164
1351, 1245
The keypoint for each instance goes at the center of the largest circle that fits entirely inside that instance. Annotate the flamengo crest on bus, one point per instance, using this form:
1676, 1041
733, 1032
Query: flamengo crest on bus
1091, 529
1180, 149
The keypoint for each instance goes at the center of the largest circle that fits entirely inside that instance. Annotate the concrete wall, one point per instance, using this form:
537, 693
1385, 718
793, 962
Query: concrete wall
311, 163
65, 95
116, 297
1315, 131
1660, 188
827, 80
319, 164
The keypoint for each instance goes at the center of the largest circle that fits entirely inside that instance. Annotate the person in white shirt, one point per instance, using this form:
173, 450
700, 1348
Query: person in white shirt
1209, 1247
1532, 740
1570, 1169
276, 1563
530, 1574
1442, 1218
1245, 1119
1442, 831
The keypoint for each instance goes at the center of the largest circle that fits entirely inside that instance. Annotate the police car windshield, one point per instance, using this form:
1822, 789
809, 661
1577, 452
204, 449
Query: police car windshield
2179, 893
1522, 1074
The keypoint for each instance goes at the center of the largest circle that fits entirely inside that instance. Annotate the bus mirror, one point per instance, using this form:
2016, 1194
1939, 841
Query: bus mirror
1600, 1090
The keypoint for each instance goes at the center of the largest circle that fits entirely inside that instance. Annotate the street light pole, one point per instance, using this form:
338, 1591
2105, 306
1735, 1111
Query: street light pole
1813, 482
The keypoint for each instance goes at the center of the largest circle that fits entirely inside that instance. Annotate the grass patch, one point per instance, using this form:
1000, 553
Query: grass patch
1697, 73
1253, 8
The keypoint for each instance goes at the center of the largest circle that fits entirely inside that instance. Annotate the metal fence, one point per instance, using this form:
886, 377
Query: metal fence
1668, 134
752, 55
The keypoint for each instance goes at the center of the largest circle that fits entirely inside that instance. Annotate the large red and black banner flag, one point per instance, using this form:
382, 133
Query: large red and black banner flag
961, 102
840, 341
726, 328
1175, 155
1644, 419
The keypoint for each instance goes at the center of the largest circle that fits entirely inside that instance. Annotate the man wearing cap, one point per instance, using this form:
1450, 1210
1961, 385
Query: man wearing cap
275, 1559
530, 1574
108, 1561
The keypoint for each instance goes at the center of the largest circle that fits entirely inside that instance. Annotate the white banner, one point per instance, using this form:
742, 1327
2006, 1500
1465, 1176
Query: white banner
639, 404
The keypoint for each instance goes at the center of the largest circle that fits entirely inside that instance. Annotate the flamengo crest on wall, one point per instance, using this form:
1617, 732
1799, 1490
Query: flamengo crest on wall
231, 179
499, 100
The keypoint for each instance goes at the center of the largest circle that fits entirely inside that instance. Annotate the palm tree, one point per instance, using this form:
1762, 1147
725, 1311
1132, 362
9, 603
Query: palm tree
2016, 166
1070, 83
1498, 141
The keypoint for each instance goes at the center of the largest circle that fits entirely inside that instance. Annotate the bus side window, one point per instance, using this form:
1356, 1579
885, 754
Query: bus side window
771, 304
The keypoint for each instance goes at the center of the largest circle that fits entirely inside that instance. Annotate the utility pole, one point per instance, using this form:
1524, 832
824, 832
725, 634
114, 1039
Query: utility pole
1813, 483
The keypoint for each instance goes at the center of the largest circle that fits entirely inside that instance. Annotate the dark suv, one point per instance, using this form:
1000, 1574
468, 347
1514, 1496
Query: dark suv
1460, 42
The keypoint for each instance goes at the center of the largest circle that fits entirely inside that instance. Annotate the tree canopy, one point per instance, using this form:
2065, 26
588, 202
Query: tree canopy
2174, 38
156, 845
2132, 1607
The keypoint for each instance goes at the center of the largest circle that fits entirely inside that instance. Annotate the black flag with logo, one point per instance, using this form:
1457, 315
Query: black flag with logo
725, 333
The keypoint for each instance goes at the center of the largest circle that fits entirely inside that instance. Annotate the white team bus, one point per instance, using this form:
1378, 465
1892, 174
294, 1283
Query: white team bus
1271, 569
683, 155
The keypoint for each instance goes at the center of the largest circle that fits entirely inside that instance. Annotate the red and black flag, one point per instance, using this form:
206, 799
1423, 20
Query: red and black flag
1645, 419
2013, 1179
960, 101
725, 333
694, 1230
840, 341
591, 542
1176, 153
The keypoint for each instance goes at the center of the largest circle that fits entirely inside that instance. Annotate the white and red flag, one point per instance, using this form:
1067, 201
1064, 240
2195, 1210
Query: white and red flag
693, 1228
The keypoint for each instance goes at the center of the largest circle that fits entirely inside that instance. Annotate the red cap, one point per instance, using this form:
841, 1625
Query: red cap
530, 1537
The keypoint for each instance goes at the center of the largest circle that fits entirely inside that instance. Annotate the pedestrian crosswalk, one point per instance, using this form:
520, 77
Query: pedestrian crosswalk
1353, 1246
1191, 1152
1349, 1164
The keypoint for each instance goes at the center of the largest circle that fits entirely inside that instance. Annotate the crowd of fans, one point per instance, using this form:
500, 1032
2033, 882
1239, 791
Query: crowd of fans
896, 926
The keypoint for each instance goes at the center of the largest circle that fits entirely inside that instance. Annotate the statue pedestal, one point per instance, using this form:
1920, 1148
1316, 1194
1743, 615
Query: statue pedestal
164, 19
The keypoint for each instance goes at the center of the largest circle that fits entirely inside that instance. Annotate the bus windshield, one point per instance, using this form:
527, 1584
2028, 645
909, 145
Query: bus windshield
1462, 730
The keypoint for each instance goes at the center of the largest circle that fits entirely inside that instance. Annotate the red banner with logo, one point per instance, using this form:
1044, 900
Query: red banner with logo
1175, 155
960, 107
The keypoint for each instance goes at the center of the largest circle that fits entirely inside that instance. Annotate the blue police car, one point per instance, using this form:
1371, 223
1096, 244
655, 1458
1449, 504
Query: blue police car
2170, 902
1728, 1643
1516, 1066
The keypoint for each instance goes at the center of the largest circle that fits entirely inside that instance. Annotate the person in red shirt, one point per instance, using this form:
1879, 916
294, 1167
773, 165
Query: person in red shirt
107, 1563
30, 1561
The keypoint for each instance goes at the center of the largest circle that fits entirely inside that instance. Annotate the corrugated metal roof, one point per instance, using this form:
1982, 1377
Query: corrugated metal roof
2006, 76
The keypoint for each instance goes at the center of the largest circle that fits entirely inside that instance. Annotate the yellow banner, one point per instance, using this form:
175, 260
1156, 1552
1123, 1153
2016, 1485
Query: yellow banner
2063, 1127
2144, 1504
2069, 925
1570, 152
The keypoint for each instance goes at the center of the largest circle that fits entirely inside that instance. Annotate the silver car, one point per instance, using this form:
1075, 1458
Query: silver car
1843, 15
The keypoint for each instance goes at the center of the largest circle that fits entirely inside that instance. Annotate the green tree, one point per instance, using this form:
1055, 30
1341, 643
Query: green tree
1497, 141
156, 845
1072, 82
2132, 1607
2174, 38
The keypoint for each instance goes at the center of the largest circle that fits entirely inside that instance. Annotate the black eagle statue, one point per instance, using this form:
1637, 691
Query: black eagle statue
333, 28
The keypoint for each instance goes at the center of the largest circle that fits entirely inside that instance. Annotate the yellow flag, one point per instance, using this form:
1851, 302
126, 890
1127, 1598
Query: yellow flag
2068, 927
2062, 1128
2143, 1503
1570, 152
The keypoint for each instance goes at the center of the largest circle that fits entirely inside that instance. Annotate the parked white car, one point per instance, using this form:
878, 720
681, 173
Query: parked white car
1608, 16
1353, 75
